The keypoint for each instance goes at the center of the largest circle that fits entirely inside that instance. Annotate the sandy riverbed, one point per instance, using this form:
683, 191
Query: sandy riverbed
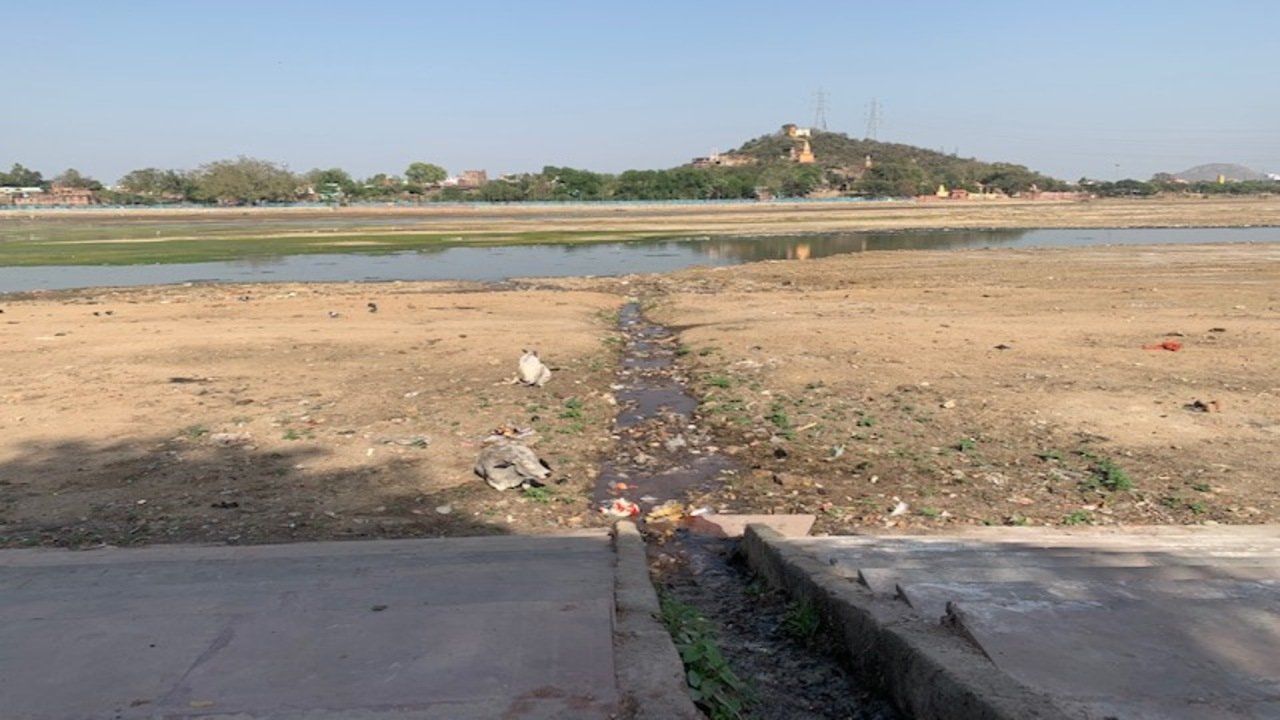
997, 386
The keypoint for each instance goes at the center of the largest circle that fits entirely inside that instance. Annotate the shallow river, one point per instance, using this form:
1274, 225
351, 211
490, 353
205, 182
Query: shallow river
501, 263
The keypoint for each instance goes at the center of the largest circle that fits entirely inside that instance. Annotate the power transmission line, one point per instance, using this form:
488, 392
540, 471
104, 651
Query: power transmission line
874, 118
820, 111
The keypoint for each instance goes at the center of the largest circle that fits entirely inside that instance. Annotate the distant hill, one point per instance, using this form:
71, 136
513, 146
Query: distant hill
849, 157
1210, 173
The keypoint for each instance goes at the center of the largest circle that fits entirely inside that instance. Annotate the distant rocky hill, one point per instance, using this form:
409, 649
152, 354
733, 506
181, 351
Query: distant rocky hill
852, 157
1211, 172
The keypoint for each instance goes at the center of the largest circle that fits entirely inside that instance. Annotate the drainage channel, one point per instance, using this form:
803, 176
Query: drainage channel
663, 455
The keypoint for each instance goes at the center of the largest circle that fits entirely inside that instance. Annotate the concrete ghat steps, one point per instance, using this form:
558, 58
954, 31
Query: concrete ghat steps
888, 580
931, 599
1185, 651
1138, 623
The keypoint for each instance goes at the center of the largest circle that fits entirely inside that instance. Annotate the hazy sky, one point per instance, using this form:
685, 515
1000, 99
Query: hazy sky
1094, 88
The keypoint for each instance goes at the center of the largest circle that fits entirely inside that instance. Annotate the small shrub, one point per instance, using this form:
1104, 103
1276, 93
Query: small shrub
1107, 475
1079, 517
778, 416
539, 494
801, 622
572, 408
712, 683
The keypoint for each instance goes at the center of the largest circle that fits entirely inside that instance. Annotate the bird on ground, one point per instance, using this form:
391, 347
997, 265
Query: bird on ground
531, 369
506, 465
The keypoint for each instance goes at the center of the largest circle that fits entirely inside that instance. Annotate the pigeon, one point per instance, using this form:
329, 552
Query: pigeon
532, 371
506, 465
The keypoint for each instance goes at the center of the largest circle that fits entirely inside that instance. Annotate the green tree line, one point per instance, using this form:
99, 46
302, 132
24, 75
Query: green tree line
762, 167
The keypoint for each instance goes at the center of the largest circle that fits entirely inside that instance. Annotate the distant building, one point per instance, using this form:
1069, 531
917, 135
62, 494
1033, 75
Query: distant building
723, 160
468, 179
58, 195
473, 178
801, 152
9, 195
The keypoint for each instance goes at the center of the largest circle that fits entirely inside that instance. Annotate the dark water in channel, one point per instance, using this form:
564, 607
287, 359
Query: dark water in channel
496, 263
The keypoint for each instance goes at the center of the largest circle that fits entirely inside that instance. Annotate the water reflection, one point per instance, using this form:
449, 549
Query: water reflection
499, 262
804, 247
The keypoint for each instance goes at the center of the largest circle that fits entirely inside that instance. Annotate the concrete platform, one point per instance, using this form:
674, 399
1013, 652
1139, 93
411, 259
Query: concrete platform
494, 627
1144, 623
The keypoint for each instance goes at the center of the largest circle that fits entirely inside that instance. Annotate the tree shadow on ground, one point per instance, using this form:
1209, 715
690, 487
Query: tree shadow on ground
78, 493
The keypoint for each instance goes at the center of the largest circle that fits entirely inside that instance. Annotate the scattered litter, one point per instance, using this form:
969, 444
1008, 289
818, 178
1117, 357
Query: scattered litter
507, 464
373, 307
444, 509
418, 441
900, 509
621, 508
1217, 330
670, 512
185, 380
226, 439
1002, 346
837, 452
225, 504
510, 431
1170, 345
532, 371
1202, 406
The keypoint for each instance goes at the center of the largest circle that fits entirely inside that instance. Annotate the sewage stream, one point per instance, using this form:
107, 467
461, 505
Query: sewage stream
663, 455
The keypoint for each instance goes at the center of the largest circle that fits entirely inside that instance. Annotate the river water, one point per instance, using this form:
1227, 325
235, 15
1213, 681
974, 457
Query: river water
496, 263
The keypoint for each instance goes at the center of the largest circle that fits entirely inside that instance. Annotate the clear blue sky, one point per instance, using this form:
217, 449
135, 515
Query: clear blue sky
1082, 88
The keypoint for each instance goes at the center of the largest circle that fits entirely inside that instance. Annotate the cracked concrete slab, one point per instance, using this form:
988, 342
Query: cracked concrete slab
510, 627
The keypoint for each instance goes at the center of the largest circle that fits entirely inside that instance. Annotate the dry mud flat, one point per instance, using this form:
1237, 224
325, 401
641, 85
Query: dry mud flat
649, 219
912, 389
